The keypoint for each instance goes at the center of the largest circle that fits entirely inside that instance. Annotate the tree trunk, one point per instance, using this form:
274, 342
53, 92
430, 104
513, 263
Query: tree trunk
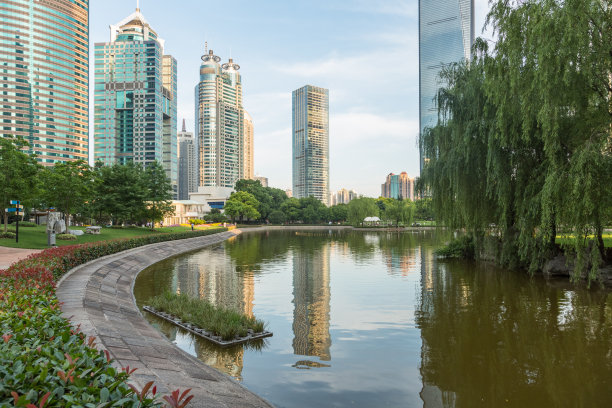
5, 221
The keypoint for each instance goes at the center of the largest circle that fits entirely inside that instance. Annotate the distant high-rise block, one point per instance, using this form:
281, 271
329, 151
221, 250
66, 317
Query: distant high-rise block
446, 35
398, 186
311, 143
342, 196
44, 67
187, 164
135, 98
249, 148
262, 180
219, 123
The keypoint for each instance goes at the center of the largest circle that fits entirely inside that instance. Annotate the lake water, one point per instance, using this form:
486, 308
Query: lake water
366, 319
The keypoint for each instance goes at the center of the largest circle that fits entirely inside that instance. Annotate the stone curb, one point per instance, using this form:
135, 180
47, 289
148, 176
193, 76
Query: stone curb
99, 296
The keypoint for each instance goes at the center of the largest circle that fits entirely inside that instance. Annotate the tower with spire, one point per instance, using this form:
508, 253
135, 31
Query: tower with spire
220, 123
187, 164
135, 103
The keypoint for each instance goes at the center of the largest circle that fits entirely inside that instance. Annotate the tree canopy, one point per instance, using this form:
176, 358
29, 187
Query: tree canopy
522, 150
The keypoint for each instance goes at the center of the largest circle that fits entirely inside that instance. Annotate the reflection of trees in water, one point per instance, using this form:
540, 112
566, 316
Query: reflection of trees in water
495, 338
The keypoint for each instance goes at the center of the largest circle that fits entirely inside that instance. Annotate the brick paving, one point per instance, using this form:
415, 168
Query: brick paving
11, 255
98, 296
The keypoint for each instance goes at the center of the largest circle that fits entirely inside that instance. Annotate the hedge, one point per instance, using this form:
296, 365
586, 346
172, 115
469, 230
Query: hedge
44, 361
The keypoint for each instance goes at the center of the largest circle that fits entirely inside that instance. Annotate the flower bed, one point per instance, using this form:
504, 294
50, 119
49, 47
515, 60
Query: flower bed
44, 362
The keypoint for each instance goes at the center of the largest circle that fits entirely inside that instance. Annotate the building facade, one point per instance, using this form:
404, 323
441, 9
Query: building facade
249, 147
342, 196
219, 123
263, 180
45, 77
135, 98
310, 127
187, 164
446, 35
398, 186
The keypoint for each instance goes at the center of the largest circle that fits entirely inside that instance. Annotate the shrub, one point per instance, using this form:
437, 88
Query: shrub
462, 248
66, 237
27, 224
8, 234
43, 360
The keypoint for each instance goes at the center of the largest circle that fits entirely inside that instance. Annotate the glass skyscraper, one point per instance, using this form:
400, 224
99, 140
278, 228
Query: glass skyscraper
446, 35
135, 98
219, 122
311, 143
188, 164
44, 65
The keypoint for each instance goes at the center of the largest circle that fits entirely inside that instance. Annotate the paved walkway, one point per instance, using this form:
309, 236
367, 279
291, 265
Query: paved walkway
11, 255
98, 295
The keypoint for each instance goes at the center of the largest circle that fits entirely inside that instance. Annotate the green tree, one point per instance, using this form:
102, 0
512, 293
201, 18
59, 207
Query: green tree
292, 209
360, 208
522, 147
215, 215
67, 187
158, 193
339, 213
18, 174
277, 217
313, 210
263, 196
121, 192
399, 211
242, 205
423, 209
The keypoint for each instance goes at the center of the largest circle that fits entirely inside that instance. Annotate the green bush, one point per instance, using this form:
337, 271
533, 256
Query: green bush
43, 360
9, 234
66, 237
27, 224
462, 248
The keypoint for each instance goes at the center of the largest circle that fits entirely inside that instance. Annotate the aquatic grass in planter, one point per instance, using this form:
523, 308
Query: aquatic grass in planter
219, 321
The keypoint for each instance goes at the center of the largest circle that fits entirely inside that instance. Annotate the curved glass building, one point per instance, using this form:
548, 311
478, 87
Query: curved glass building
44, 65
446, 35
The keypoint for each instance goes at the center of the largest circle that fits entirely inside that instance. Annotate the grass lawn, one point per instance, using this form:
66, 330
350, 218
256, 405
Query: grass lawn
36, 237
607, 238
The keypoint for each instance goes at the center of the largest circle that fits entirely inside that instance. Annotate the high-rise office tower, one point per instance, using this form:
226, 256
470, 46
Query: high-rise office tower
44, 67
249, 164
398, 186
135, 98
219, 122
446, 35
187, 164
311, 143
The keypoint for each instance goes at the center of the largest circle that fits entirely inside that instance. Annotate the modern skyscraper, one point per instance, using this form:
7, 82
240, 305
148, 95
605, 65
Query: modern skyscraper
135, 98
187, 164
446, 35
44, 68
398, 186
219, 122
311, 143
342, 196
249, 148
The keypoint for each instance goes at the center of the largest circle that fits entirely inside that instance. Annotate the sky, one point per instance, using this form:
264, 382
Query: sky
365, 52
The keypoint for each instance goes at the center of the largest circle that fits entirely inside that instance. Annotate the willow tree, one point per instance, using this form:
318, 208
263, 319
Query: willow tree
554, 59
522, 148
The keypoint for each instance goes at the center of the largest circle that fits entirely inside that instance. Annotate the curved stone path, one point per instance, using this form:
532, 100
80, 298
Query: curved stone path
98, 296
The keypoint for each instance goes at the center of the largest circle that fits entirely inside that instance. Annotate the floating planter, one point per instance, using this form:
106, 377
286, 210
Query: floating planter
251, 335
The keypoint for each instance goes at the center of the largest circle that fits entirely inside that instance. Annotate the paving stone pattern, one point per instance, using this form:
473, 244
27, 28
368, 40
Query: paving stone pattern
98, 296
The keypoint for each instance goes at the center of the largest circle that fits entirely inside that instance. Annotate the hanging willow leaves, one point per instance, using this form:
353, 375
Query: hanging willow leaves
522, 149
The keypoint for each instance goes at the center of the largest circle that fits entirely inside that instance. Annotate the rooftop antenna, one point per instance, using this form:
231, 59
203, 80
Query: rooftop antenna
184, 128
205, 47
137, 5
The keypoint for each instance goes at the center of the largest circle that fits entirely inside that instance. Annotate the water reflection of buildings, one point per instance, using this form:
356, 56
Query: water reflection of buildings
214, 278
311, 297
431, 394
402, 260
